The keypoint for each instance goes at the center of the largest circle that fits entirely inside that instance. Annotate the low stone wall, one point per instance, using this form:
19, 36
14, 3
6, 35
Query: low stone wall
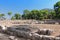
34, 36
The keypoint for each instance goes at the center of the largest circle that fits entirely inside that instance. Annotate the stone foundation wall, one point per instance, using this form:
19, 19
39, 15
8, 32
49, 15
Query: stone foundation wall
30, 35
33, 36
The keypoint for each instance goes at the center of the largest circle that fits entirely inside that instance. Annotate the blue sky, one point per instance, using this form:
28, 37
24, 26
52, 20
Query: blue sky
20, 5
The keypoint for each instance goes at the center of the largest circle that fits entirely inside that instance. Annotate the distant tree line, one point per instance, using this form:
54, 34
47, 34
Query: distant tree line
37, 14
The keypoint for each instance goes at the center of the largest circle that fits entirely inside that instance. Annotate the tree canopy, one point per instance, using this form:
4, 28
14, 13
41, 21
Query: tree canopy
57, 9
17, 16
39, 14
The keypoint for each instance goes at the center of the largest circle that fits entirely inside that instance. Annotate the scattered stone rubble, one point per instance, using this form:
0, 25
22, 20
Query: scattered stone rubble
27, 33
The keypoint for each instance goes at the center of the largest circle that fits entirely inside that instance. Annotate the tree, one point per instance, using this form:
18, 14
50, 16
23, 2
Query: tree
44, 14
17, 16
12, 18
52, 15
26, 14
31, 14
2, 16
48, 13
34, 14
10, 13
57, 9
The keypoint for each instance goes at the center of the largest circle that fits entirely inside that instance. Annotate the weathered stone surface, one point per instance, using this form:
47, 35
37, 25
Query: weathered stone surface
57, 38
11, 37
45, 37
26, 28
35, 36
3, 37
44, 31
28, 33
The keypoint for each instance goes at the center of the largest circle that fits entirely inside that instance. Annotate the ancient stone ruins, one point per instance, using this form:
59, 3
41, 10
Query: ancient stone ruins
27, 33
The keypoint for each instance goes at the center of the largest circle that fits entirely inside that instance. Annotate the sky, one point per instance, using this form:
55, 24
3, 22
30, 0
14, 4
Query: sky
17, 6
